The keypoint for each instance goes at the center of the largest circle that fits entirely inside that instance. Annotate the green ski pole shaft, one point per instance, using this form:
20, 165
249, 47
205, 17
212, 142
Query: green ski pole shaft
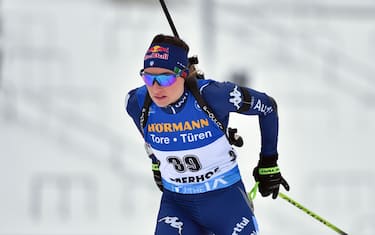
312, 214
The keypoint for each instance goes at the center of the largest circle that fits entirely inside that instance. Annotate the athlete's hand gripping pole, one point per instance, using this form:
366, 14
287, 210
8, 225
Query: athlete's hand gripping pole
267, 174
155, 167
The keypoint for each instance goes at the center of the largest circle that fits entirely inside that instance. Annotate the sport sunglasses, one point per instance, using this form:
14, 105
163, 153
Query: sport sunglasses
164, 79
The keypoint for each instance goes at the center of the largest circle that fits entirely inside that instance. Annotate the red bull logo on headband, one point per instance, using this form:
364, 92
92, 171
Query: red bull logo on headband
157, 52
157, 48
164, 55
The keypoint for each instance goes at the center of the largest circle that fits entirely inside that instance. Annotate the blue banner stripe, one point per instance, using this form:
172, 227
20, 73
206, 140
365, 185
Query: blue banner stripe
221, 181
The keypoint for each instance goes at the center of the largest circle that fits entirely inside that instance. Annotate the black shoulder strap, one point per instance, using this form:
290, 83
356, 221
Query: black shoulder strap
192, 85
144, 113
233, 138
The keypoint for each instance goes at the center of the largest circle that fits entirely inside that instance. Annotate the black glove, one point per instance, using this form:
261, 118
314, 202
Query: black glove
157, 175
267, 173
155, 167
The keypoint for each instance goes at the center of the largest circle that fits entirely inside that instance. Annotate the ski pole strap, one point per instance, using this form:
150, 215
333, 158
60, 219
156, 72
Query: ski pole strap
253, 192
269, 170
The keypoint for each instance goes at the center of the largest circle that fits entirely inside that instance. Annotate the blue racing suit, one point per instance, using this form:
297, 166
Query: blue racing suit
203, 190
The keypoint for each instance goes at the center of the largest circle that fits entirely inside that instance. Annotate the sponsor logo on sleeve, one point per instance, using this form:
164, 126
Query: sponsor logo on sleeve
235, 97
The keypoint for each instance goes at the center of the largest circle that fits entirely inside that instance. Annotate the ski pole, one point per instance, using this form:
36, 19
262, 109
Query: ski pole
312, 214
251, 195
169, 18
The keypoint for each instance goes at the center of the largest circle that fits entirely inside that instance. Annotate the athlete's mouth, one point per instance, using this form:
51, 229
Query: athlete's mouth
160, 97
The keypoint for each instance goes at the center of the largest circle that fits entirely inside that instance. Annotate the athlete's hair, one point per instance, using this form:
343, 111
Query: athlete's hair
161, 38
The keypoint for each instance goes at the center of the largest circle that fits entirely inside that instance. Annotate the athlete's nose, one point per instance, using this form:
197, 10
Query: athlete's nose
156, 85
